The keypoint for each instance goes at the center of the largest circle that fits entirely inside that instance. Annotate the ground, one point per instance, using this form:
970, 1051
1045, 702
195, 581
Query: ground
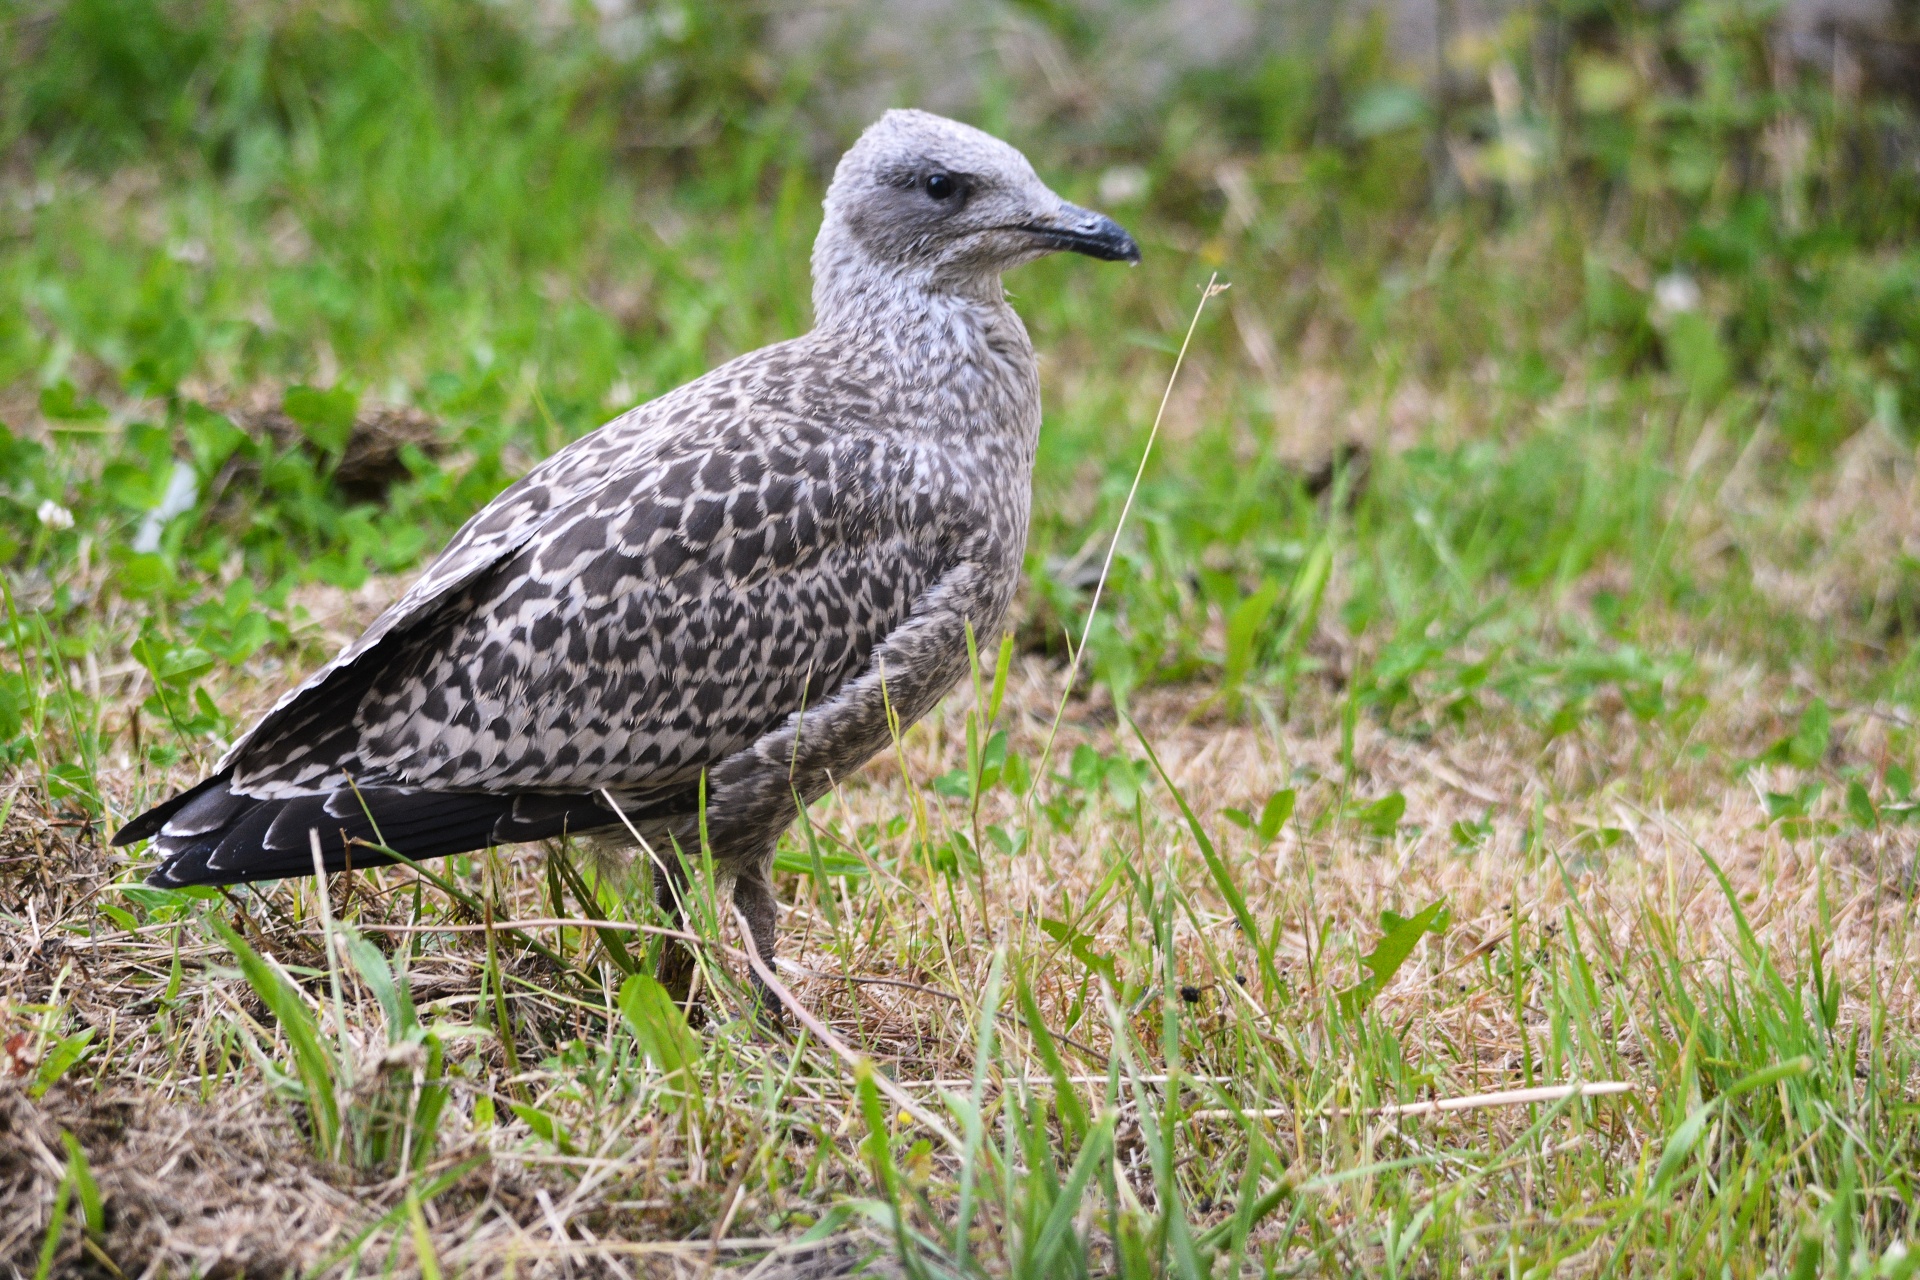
1617, 910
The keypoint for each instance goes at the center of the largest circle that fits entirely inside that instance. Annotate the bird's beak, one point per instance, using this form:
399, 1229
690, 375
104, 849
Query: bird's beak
1080, 230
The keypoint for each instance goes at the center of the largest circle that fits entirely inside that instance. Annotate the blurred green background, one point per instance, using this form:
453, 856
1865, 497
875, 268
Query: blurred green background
1562, 349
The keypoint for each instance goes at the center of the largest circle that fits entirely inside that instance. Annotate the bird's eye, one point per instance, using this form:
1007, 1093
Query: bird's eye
941, 186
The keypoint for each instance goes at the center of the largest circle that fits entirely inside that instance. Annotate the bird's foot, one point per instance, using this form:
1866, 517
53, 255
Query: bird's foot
769, 1013
675, 974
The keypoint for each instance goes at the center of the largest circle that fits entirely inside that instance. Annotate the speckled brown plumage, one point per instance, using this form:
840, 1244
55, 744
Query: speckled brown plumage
716, 584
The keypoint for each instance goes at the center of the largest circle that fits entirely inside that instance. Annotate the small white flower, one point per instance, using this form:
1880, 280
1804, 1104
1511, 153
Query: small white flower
1676, 293
1123, 184
54, 516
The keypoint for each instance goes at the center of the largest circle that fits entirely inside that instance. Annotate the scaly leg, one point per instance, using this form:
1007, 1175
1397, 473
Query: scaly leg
753, 894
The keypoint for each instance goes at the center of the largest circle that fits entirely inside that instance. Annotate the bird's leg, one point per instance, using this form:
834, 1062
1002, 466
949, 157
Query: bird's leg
753, 894
677, 965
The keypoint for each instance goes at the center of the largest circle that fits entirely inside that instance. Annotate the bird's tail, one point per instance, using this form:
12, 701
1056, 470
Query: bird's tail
213, 834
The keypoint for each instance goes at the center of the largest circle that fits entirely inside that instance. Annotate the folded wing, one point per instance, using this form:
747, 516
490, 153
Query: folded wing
626, 635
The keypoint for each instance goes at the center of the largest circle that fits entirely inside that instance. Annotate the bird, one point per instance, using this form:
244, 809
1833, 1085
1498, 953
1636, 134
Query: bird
689, 624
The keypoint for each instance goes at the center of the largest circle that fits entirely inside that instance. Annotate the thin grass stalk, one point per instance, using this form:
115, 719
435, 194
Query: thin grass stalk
1171, 1228
502, 1015
1113, 545
879, 1145
328, 945
56, 1225
973, 1129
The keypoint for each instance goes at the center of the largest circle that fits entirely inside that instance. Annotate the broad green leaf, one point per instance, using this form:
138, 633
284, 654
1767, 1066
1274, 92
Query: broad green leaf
1386, 108
1682, 1142
1382, 817
1860, 805
325, 416
545, 1127
1695, 351
1080, 947
211, 438
1244, 626
1766, 1077
1399, 937
1274, 814
62, 402
662, 1030
1808, 746
396, 1001
831, 1223
59, 1060
1124, 778
1002, 666
171, 664
1603, 85
1008, 842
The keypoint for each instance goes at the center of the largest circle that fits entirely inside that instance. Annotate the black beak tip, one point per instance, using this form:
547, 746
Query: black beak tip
1093, 234
1108, 241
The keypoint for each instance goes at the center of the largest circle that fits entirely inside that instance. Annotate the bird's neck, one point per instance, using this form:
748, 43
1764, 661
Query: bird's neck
936, 321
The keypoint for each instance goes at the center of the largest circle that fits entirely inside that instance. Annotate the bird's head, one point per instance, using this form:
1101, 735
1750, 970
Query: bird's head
938, 204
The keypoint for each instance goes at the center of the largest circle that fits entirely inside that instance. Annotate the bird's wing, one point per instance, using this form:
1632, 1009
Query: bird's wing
494, 532
643, 630
302, 717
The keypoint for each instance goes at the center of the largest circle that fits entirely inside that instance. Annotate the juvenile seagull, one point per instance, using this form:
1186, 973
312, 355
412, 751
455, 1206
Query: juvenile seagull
735, 583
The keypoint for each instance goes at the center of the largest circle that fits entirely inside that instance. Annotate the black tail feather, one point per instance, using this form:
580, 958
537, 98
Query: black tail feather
211, 835
148, 824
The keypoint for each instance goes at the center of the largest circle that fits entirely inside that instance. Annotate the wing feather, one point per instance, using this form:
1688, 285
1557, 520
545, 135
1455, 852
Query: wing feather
606, 653
310, 733
630, 627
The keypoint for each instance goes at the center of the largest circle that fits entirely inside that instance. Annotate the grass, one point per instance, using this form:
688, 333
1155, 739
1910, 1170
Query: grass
1504, 678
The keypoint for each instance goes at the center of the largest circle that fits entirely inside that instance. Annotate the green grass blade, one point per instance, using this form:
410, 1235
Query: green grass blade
1681, 1142
59, 1060
610, 939
56, 1224
1055, 1232
886, 1174
395, 1000
973, 1131
1217, 867
92, 1209
1172, 1224
662, 1031
433, 1188
313, 1064
1066, 1095
423, 1254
